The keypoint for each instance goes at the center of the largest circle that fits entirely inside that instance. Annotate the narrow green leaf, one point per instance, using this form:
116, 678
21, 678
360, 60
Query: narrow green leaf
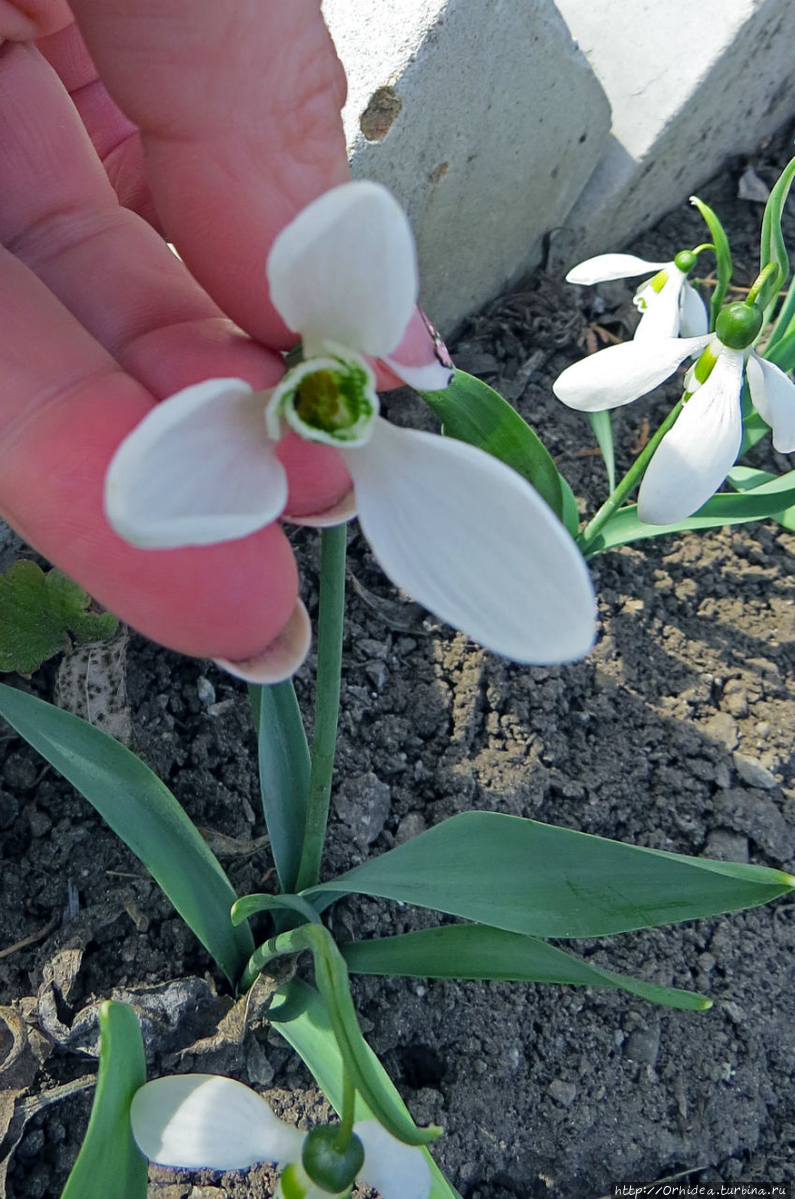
746, 478
142, 811
773, 247
249, 905
547, 881
109, 1162
602, 426
723, 257
781, 352
754, 429
471, 411
476, 951
301, 1016
571, 517
763, 503
283, 773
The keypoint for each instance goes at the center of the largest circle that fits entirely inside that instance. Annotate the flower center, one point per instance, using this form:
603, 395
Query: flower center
330, 400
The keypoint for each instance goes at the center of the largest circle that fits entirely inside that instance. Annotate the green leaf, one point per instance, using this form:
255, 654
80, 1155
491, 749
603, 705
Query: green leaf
547, 881
471, 411
331, 975
773, 247
302, 1018
109, 1162
283, 773
763, 503
746, 478
249, 905
602, 426
723, 257
571, 517
476, 951
142, 811
754, 429
38, 611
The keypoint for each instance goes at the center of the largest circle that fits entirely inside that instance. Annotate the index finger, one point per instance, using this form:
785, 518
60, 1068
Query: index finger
239, 110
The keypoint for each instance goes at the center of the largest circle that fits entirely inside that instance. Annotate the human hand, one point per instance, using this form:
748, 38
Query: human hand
224, 122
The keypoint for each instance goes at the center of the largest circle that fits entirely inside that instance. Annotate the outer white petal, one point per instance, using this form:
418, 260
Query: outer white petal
604, 267
469, 539
198, 469
693, 315
345, 270
397, 1171
621, 374
193, 1121
695, 456
660, 309
773, 396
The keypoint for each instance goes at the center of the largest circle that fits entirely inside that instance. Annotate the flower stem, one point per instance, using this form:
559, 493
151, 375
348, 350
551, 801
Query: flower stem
625, 486
327, 700
348, 1104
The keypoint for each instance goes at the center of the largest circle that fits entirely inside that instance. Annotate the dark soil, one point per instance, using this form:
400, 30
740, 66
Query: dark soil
675, 733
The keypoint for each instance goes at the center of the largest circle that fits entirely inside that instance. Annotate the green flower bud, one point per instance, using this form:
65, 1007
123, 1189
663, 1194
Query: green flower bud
738, 325
685, 260
330, 1167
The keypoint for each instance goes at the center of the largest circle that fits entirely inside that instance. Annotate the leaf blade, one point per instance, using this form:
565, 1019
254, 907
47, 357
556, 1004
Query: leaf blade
284, 770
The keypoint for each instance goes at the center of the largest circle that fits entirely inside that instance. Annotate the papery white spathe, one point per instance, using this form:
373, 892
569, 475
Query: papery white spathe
672, 310
455, 528
205, 1121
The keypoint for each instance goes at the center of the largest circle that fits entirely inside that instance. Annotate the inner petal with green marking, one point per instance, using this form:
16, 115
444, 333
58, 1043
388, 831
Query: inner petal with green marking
331, 400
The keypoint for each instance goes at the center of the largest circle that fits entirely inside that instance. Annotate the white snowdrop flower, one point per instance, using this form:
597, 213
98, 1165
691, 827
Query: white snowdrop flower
205, 1121
670, 306
451, 525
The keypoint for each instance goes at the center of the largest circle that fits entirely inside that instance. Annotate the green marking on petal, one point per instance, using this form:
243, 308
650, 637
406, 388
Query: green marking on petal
330, 400
659, 281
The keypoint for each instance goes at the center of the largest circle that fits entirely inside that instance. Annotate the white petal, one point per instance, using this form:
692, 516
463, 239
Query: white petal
279, 660
397, 1171
472, 541
660, 308
604, 267
345, 270
695, 456
773, 396
693, 315
192, 1121
198, 469
621, 374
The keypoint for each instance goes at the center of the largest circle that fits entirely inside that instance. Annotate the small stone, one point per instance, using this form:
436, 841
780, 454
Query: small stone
643, 1044
752, 772
9, 809
378, 674
412, 824
40, 823
721, 728
726, 846
735, 698
362, 803
20, 772
205, 690
258, 1068
562, 1092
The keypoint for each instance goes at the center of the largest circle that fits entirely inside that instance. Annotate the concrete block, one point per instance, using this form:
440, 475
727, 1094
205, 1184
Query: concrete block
485, 121
690, 82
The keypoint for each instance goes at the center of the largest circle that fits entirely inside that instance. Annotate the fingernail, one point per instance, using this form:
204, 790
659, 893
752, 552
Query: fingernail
281, 658
421, 359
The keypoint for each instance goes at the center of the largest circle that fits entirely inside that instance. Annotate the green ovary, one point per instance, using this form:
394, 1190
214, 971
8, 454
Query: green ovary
320, 402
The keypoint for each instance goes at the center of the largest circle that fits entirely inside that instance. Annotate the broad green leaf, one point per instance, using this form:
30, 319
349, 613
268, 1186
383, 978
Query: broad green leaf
142, 811
746, 478
283, 773
109, 1162
763, 503
773, 247
602, 425
723, 257
471, 411
38, 611
331, 975
547, 881
302, 1018
476, 951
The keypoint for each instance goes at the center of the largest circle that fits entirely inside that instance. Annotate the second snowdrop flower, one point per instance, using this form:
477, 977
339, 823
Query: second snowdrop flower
670, 306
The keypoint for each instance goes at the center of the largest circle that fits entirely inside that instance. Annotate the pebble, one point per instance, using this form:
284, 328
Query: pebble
721, 728
726, 846
20, 772
643, 1044
205, 690
562, 1092
412, 824
752, 772
362, 803
377, 673
40, 823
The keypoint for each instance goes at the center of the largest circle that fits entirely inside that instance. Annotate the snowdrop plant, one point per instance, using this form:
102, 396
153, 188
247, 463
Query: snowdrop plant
669, 305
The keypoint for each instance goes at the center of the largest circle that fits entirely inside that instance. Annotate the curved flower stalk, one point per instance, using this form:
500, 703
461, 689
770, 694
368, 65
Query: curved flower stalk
697, 453
451, 525
669, 304
196, 1121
